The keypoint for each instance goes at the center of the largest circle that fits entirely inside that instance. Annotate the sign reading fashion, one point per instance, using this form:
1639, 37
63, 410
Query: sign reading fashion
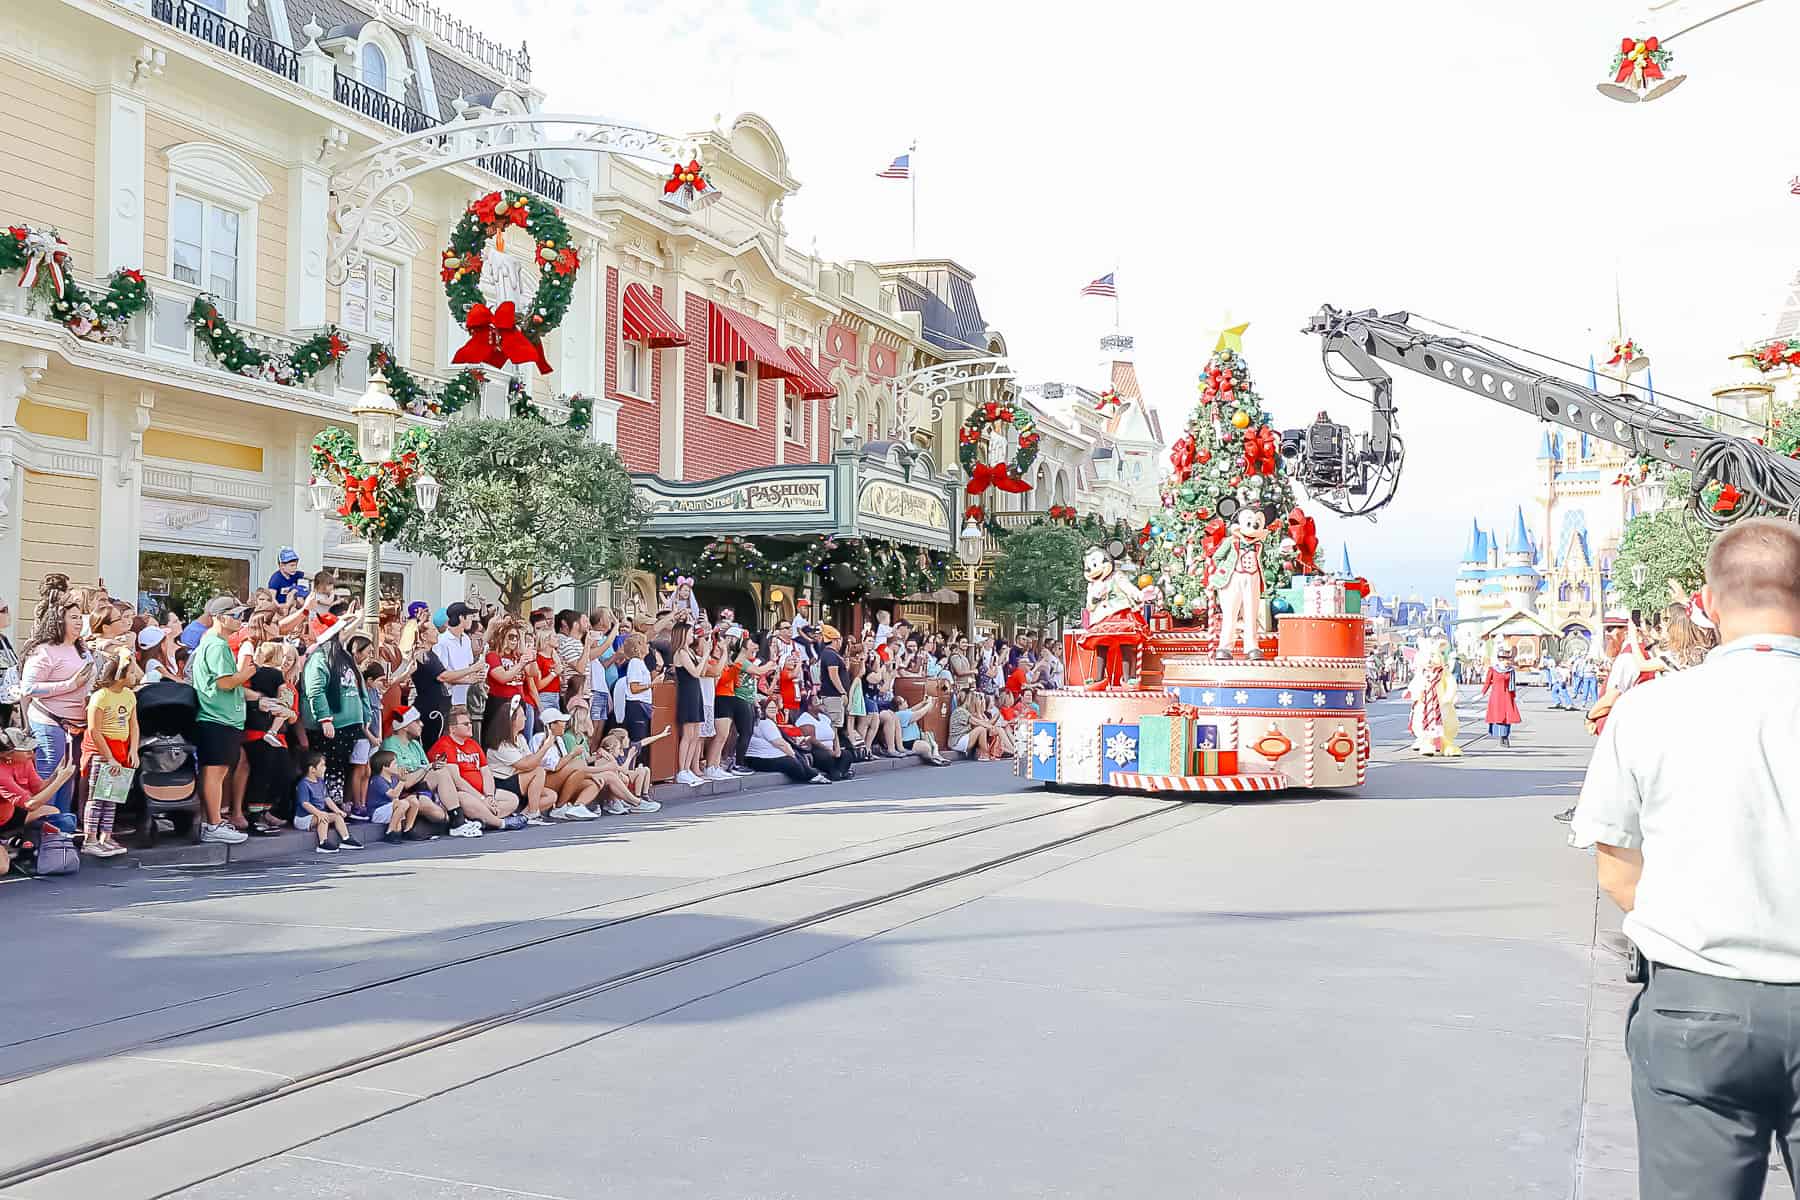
903, 505
784, 496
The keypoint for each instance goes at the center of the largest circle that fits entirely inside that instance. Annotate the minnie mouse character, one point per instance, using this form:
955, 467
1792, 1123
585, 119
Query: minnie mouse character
1111, 621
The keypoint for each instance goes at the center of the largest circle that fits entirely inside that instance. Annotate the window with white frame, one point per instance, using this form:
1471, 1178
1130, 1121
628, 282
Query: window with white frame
374, 67
370, 301
793, 413
634, 368
204, 249
732, 393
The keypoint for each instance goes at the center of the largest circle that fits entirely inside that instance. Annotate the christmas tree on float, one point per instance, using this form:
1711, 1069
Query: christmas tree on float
1226, 460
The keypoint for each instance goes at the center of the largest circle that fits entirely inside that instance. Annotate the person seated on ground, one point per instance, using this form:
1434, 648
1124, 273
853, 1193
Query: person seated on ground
827, 750
884, 707
967, 737
617, 766
388, 805
1006, 707
1000, 734
566, 767
420, 782
770, 750
1030, 709
901, 732
471, 782
315, 811
516, 767
26, 801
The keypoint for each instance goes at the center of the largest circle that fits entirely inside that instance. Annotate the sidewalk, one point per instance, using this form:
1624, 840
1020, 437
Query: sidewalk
179, 851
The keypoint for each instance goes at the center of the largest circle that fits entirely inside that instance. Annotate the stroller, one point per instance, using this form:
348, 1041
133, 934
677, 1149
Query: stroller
168, 776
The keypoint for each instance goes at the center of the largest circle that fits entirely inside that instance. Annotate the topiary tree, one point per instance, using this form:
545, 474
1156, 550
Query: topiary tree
1669, 544
532, 507
1227, 459
1037, 578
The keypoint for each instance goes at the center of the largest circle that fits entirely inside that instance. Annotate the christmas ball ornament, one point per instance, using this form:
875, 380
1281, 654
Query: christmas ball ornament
1180, 601
1240, 419
1145, 581
1280, 605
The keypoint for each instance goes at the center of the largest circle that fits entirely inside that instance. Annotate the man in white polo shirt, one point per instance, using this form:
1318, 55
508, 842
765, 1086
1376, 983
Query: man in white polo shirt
1693, 805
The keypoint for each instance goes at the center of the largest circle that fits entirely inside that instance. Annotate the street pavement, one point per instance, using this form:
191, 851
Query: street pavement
924, 983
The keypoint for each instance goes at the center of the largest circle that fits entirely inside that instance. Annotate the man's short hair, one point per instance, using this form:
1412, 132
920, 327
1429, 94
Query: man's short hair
1755, 565
458, 710
566, 620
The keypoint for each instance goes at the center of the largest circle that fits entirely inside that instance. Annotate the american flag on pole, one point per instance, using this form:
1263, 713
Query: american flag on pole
1102, 286
900, 168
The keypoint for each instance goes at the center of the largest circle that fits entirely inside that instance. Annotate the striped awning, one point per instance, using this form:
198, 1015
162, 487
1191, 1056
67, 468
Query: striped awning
732, 337
644, 320
812, 383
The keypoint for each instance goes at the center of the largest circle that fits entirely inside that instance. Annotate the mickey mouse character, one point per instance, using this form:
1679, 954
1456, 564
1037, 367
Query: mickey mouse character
1237, 577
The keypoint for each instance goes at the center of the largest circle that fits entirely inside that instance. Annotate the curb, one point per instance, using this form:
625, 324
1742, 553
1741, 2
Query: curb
295, 845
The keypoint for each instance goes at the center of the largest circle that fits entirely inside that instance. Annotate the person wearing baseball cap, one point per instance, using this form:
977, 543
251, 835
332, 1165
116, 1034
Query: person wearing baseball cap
418, 780
219, 733
565, 768
289, 581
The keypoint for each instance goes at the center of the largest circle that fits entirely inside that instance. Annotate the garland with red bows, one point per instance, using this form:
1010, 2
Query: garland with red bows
1062, 513
377, 497
45, 268
1006, 477
238, 356
504, 335
1782, 352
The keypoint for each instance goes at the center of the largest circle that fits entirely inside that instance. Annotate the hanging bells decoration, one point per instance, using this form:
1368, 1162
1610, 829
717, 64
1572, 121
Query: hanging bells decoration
1638, 72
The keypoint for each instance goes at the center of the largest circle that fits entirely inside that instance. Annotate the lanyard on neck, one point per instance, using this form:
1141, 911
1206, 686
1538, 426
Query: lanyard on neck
1754, 646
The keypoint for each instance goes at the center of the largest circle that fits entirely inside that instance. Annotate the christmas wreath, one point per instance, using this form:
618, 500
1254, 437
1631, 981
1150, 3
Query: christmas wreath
1782, 352
502, 335
378, 497
1007, 477
45, 268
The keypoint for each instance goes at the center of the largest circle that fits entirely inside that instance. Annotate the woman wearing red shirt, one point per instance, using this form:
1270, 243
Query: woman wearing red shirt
506, 676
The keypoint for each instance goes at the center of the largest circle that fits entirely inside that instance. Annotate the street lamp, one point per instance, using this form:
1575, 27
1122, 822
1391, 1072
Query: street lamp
1639, 574
324, 495
969, 546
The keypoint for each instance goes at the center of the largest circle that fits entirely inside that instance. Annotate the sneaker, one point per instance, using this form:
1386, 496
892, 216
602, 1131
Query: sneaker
164, 825
1566, 815
393, 837
580, 812
324, 848
718, 774
740, 772
818, 777
615, 808
356, 815
514, 823
537, 819
223, 834
94, 850
643, 806
350, 843
467, 829
688, 778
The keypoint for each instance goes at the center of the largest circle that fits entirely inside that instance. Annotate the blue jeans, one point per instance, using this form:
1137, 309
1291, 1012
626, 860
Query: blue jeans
52, 747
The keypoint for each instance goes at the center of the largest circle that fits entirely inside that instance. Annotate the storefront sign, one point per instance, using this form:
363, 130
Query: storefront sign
785, 496
902, 505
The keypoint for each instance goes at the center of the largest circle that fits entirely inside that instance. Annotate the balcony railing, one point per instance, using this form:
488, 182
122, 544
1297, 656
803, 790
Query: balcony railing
522, 172
378, 106
197, 20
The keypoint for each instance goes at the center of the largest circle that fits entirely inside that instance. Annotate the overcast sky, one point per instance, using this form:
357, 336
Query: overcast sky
1446, 157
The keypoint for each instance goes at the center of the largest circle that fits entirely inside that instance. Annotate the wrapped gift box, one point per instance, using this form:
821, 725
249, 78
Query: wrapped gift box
1216, 762
1041, 751
1118, 750
1352, 603
1206, 737
1295, 597
1165, 745
1323, 600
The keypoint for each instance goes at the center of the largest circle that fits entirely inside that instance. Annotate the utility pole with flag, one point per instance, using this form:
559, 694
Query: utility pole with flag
902, 168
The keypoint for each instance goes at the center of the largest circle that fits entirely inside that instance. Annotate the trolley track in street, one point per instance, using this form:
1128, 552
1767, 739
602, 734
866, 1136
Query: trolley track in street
75, 1156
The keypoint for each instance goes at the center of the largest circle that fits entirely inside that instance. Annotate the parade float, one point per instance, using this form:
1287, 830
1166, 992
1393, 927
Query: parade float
1214, 657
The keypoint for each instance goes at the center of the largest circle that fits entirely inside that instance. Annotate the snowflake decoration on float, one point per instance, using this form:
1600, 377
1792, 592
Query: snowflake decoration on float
1241, 698
1121, 748
1318, 699
1350, 698
1285, 699
1043, 745
1206, 698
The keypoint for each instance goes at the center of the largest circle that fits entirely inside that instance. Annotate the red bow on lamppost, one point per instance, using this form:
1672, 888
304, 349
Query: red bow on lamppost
495, 340
1000, 476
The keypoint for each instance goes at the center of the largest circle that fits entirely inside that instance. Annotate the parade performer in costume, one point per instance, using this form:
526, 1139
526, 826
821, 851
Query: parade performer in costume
1111, 621
1433, 694
1237, 577
1500, 687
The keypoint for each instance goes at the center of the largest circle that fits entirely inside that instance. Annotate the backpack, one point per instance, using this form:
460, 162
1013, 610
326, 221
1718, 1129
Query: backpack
56, 854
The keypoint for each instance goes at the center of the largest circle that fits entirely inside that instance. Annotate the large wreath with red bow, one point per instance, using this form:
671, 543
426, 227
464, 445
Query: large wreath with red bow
504, 335
1007, 477
377, 498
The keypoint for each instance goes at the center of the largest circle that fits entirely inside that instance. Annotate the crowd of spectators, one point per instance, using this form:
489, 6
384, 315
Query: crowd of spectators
465, 720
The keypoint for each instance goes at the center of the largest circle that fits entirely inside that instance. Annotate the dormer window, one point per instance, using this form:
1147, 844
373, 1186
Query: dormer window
374, 67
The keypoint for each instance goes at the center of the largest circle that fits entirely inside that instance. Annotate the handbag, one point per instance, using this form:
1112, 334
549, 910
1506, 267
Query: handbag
111, 782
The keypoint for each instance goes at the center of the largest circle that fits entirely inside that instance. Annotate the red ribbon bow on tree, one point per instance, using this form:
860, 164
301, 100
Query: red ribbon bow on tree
1214, 536
1259, 451
1305, 535
1220, 385
1182, 457
495, 340
982, 477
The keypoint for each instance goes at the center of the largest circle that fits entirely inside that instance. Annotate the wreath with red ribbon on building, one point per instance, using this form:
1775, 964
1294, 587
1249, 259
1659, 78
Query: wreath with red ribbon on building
503, 335
1006, 477
378, 498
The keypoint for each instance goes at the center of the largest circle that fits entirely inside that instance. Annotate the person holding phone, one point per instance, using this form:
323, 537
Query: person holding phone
57, 674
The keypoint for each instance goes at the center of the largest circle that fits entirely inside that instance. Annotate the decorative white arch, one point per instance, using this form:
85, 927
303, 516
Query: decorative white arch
372, 192
922, 393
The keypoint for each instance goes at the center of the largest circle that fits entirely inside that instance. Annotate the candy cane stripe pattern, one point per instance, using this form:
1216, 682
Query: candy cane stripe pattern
1260, 782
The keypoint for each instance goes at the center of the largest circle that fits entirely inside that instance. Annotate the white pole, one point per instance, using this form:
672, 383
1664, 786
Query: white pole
1115, 296
912, 162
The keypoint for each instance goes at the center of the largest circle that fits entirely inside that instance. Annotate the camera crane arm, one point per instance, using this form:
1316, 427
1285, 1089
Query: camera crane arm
1768, 482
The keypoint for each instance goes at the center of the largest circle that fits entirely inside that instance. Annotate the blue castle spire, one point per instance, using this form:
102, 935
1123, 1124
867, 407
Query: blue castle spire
1477, 550
1345, 570
1520, 541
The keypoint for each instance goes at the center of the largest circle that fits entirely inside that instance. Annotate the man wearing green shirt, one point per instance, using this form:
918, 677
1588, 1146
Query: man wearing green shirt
417, 776
219, 733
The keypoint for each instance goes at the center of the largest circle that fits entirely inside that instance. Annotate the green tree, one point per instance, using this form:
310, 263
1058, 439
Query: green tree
531, 506
1037, 578
1225, 461
1668, 544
